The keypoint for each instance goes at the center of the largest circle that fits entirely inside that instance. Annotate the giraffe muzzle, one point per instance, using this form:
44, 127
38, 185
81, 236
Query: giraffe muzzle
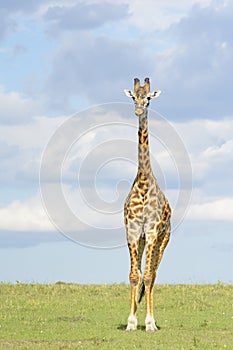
139, 110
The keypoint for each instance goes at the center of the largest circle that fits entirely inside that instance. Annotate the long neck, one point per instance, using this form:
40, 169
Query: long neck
143, 145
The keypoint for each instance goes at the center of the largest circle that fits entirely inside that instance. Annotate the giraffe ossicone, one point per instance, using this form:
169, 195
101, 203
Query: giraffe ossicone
146, 215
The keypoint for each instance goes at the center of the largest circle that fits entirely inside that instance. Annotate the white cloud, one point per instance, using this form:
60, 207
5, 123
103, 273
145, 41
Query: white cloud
210, 147
136, 45
28, 215
210, 144
219, 209
100, 208
145, 15
149, 15
24, 5
21, 149
194, 78
33, 135
200, 134
7, 24
99, 69
16, 109
84, 16
216, 153
194, 69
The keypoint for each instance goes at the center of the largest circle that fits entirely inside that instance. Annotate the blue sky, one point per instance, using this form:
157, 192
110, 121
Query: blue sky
68, 133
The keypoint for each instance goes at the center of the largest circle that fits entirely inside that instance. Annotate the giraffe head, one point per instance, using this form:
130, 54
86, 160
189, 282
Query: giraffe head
141, 95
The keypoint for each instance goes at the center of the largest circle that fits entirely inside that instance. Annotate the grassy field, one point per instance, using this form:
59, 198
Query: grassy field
68, 316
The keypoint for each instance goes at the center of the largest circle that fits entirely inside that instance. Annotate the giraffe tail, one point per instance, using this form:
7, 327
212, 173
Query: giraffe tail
141, 291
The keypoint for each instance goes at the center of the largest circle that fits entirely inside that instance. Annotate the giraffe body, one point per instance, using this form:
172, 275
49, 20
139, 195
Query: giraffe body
146, 214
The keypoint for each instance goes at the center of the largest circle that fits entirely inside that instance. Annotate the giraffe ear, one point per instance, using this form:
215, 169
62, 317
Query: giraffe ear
154, 94
129, 93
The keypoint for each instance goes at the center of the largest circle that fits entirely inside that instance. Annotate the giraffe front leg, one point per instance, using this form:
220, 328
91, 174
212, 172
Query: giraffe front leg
134, 277
149, 279
155, 250
150, 321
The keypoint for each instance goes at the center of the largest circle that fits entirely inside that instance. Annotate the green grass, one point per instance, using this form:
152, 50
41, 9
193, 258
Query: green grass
69, 316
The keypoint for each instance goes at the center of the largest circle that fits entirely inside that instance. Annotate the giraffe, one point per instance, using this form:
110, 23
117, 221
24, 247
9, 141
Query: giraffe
146, 215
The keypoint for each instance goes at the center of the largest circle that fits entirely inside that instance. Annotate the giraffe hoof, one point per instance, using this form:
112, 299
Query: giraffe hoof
150, 325
132, 324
